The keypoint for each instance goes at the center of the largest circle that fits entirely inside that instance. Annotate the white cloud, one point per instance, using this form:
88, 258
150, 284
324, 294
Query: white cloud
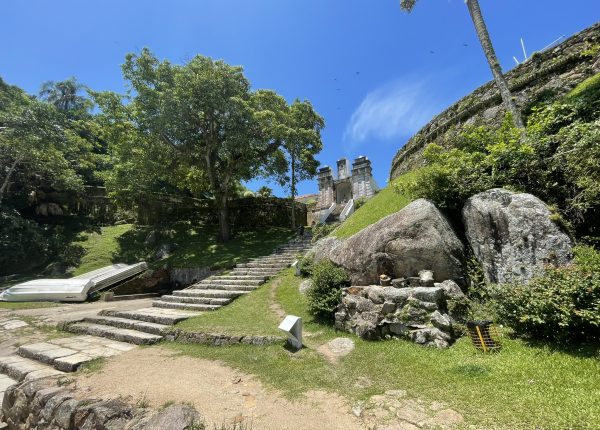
396, 109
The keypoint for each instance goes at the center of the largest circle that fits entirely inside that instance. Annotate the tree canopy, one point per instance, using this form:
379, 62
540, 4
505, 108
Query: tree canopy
197, 126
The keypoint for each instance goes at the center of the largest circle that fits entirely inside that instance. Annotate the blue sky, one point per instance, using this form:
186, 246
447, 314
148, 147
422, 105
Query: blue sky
374, 73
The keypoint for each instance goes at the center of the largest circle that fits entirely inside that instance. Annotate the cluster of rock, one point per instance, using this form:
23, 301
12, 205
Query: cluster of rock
43, 405
512, 235
415, 238
416, 308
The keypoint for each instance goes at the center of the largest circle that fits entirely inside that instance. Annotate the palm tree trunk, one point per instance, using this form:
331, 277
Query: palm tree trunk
488, 49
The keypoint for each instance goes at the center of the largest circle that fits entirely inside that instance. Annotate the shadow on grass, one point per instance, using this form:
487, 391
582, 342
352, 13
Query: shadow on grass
197, 245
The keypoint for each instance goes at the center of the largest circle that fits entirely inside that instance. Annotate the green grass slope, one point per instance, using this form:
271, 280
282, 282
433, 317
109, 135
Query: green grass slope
196, 245
384, 203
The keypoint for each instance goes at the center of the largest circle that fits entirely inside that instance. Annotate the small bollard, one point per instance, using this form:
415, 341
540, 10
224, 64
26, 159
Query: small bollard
292, 325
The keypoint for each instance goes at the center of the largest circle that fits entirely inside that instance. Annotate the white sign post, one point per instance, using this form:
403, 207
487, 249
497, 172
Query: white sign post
292, 325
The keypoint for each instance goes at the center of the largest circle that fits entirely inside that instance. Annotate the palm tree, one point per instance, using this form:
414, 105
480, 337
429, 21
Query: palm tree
63, 95
488, 49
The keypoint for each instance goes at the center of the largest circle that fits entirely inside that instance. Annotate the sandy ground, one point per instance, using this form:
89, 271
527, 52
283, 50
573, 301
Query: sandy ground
223, 395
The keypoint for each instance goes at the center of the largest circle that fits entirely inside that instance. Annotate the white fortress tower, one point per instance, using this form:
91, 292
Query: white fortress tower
336, 196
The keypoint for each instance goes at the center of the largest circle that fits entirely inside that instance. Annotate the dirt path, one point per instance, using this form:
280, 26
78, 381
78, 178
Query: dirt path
156, 376
274, 305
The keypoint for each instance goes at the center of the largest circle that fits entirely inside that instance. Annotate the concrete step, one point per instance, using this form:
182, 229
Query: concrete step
184, 306
278, 266
209, 293
225, 287
219, 281
19, 368
147, 327
255, 272
121, 334
196, 300
236, 277
152, 315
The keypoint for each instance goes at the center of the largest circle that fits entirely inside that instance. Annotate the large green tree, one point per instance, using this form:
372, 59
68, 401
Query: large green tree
35, 146
203, 122
300, 143
490, 54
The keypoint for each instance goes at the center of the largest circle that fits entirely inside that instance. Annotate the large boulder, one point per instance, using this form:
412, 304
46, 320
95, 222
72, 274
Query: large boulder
414, 239
512, 235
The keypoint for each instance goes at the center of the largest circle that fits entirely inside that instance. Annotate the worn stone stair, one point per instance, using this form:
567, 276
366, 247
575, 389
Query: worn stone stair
219, 290
140, 327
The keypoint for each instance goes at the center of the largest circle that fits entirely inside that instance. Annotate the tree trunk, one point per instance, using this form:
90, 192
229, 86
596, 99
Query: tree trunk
223, 211
293, 193
4, 186
488, 49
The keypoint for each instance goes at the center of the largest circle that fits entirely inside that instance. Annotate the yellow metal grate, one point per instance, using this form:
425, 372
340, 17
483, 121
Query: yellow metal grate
484, 335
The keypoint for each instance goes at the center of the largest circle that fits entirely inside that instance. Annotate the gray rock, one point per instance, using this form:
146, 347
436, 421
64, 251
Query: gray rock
512, 235
425, 294
388, 308
441, 321
305, 286
175, 417
430, 337
452, 290
416, 238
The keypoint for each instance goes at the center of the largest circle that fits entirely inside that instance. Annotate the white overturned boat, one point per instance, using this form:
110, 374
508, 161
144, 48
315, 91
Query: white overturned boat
75, 289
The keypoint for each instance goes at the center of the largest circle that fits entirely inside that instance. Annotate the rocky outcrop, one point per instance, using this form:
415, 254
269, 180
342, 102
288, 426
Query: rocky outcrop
44, 405
418, 313
414, 239
512, 235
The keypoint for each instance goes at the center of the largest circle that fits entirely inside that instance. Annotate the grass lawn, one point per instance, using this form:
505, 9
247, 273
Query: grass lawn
521, 387
27, 305
197, 245
384, 203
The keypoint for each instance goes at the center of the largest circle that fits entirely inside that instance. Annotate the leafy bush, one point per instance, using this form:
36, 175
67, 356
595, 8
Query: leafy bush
359, 202
306, 265
561, 305
319, 231
326, 291
23, 243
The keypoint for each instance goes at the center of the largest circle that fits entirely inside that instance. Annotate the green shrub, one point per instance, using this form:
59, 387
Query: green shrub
306, 265
326, 291
23, 243
562, 304
319, 231
359, 202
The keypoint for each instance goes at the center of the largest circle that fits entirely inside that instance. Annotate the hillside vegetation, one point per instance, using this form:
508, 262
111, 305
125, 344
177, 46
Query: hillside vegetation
384, 203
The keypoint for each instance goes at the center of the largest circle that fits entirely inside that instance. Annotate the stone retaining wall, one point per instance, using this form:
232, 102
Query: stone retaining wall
219, 339
553, 72
44, 405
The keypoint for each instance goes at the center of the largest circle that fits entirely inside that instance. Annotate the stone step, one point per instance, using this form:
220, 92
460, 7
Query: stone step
121, 334
219, 281
196, 300
224, 287
5, 382
20, 368
256, 272
278, 266
209, 293
236, 277
147, 327
153, 315
184, 306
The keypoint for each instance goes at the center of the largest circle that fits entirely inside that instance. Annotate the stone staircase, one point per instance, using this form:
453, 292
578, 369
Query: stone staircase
217, 291
113, 332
